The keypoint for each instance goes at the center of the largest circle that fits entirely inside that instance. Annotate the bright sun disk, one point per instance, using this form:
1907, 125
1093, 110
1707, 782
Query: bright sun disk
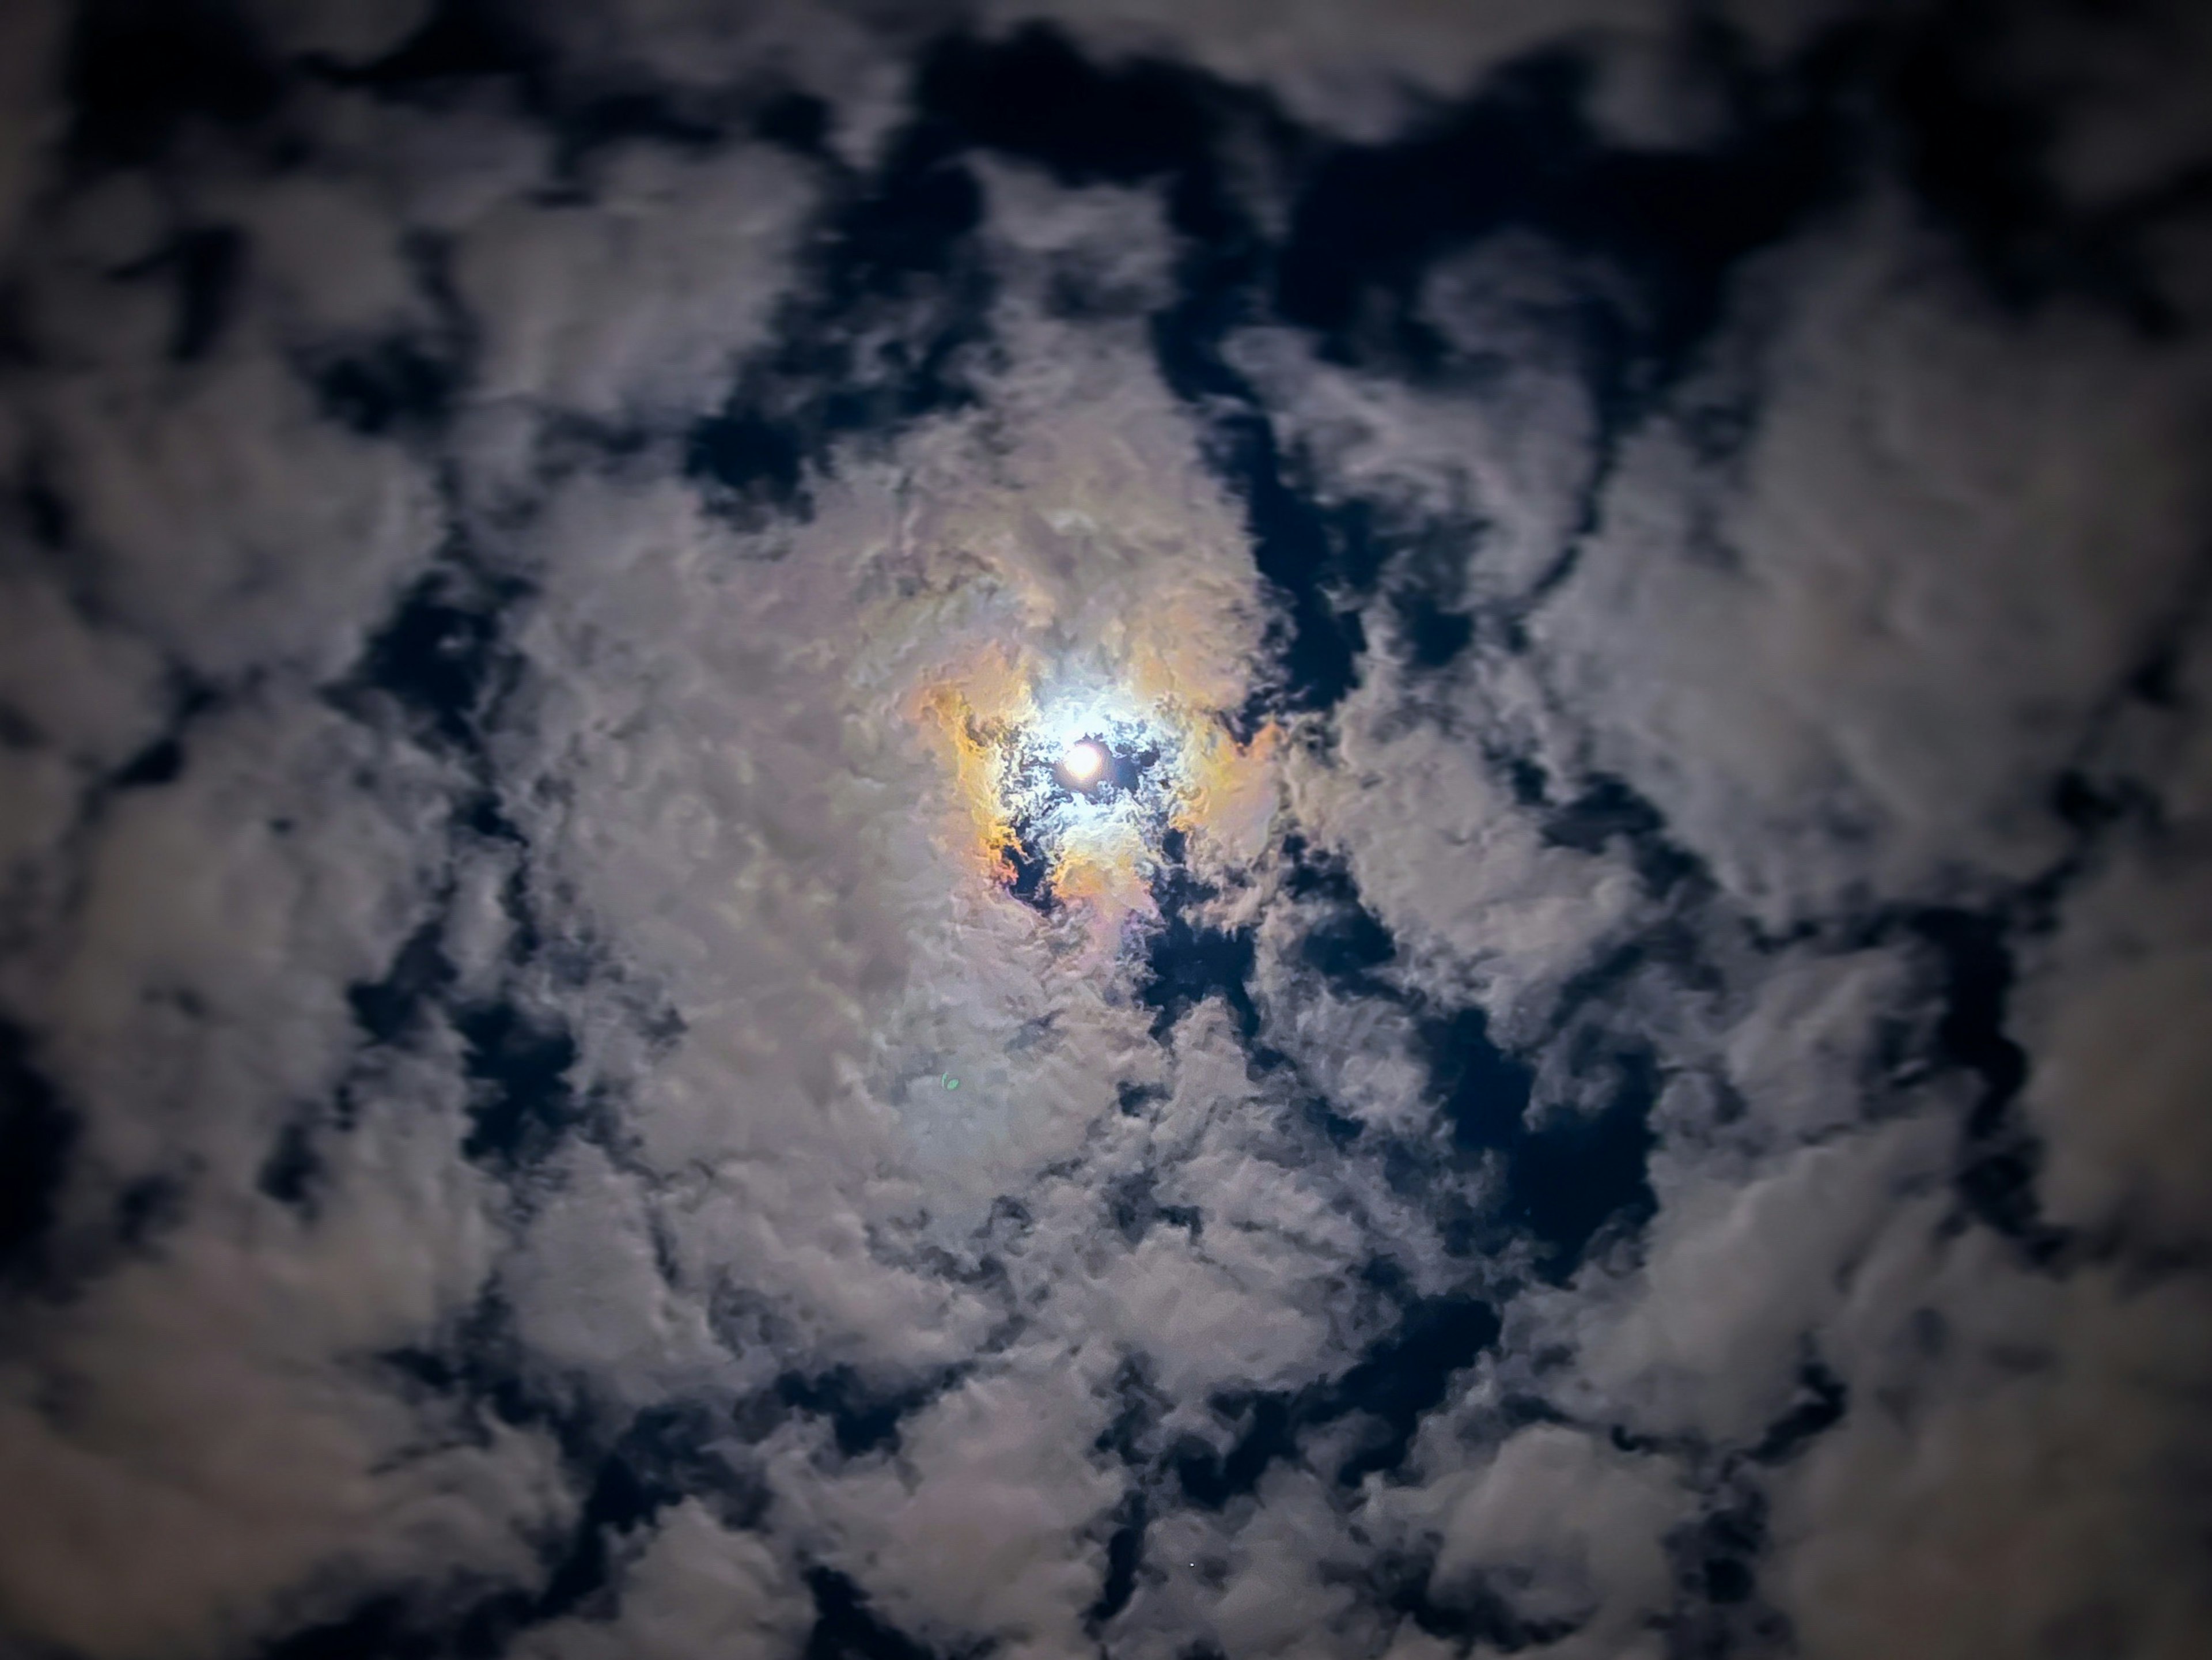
1083, 762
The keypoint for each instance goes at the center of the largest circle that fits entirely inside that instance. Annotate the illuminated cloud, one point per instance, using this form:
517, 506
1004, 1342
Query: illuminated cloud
1604, 1063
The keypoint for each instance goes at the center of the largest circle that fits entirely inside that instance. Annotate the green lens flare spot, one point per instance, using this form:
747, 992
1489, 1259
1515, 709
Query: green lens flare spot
950, 1082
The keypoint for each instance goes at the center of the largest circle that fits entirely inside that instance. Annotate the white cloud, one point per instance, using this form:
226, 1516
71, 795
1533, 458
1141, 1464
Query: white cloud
1277, 1596
1460, 875
1709, 1336
1826, 711
1565, 1531
588, 1296
729, 832
2017, 1431
693, 1586
198, 492
978, 1525
211, 1410
639, 301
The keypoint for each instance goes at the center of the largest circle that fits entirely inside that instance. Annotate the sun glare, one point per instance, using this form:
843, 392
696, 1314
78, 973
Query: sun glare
1083, 761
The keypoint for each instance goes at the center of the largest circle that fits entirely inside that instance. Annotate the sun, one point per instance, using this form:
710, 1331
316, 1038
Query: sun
1083, 762
1078, 795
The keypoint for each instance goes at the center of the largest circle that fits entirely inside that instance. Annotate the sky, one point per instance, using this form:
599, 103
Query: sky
1611, 1068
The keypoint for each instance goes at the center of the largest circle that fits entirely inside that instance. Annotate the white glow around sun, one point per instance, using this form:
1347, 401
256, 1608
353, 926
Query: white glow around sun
1083, 762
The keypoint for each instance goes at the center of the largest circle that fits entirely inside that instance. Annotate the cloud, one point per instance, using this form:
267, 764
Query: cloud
693, 1585
2066, 544
556, 283
1566, 1534
2026, 1435
1618, 1077
977, 1524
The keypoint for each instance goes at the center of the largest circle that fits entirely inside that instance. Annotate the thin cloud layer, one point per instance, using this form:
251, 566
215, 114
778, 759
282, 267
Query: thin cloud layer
1609, 1068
